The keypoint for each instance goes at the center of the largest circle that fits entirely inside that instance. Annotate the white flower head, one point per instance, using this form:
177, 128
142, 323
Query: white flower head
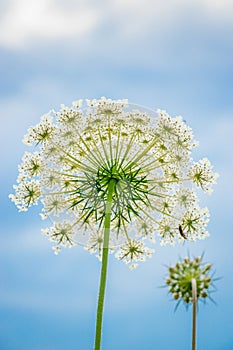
81, 149
41, 132
133, 251
32, 165
202, 175
26, 194
61, 233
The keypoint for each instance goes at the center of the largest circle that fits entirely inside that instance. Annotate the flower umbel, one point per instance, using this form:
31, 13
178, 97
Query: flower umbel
180, 279
190, 281
146, 156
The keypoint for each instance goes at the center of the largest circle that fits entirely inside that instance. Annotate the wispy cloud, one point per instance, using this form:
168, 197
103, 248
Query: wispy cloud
24, 22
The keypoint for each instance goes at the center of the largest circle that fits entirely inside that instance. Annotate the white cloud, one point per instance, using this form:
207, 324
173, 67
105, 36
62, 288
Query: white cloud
218, 7
24, 22
158, 19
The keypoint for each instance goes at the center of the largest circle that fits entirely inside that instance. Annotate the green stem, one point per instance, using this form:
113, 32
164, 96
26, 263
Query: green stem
103, 276
194, 300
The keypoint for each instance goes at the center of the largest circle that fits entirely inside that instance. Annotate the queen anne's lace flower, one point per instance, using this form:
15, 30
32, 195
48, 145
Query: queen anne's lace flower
149, 160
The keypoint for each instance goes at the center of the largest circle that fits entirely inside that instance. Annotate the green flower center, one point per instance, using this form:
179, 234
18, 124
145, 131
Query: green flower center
129, 193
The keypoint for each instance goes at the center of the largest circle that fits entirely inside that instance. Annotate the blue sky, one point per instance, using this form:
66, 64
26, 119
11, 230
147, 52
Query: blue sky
174, 55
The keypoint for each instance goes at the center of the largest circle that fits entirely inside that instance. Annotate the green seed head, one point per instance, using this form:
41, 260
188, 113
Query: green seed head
181, 276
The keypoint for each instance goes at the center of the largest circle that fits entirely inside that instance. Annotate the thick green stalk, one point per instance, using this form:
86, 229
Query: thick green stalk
194, 300
103, 276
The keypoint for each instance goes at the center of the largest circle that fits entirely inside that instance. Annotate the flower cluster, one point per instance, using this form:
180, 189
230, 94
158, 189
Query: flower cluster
147, 155
180, 279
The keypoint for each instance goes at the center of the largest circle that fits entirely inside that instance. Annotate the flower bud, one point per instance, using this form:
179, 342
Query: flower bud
180, 279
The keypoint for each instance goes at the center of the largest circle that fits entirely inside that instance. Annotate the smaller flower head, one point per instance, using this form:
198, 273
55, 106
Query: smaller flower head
180, 279
62, 233
26, 194
32, 165
40, 133
202, 175
95, 244
132, 252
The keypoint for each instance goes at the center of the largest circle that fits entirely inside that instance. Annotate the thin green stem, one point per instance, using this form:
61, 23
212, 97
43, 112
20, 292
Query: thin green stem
117, 154
103, 146
91, 152
144, 152
103, 276
110, 140
127, 149
194, 300
75, 160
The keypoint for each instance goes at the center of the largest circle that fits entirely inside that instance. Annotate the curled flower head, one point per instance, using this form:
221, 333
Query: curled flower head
180, 279
144, 155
